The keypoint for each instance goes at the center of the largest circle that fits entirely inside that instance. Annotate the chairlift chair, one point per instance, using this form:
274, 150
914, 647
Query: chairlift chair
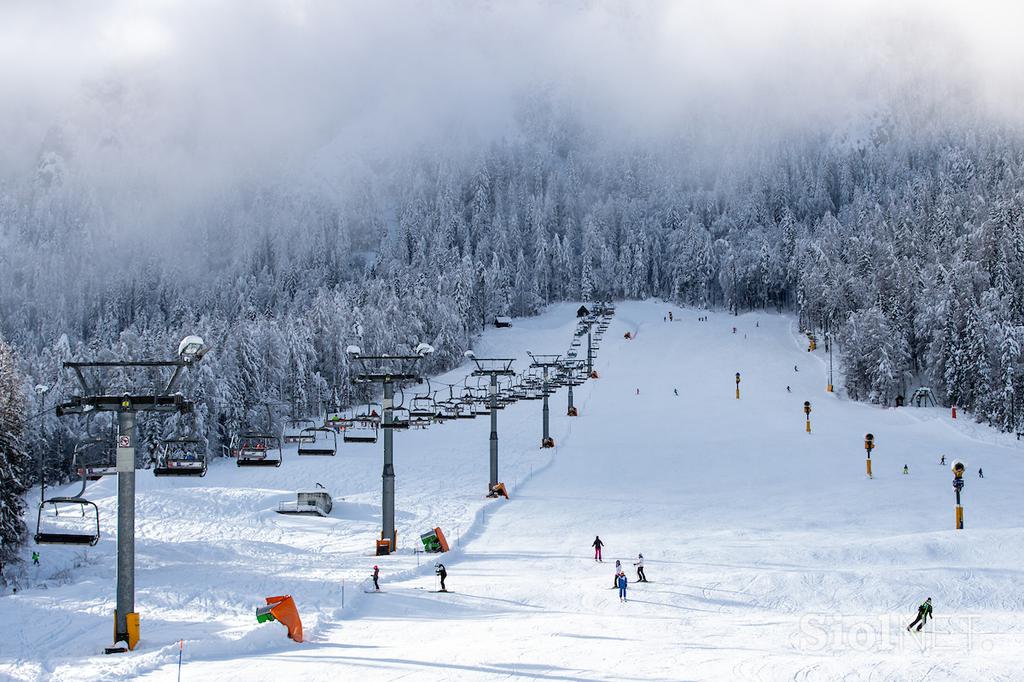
295, 428
94, 458
334, 418
423, 406
400, 418
258, 450
448, 409
180, 457
60, 530
322, 441
360, 431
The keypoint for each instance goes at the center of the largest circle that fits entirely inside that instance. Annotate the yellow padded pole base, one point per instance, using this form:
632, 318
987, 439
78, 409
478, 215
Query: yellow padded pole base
869, 468
808, 426
737, 394
829, 388
132, 636
959, 517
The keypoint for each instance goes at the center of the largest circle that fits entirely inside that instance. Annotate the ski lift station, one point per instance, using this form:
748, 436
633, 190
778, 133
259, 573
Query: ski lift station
317, 501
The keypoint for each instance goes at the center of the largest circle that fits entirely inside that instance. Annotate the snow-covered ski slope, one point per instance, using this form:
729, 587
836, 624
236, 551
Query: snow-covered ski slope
770, 554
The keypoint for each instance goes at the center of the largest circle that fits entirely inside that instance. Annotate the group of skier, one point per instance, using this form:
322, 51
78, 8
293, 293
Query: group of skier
619, 579
439, 570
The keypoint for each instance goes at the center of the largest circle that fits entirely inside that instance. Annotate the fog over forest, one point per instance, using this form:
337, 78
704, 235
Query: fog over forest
287, 178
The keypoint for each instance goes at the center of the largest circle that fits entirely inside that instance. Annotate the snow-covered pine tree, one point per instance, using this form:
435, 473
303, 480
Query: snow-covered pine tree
13, 458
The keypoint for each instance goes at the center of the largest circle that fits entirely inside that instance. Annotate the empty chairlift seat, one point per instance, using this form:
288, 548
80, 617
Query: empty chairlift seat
297, 430
320, 441
67, 521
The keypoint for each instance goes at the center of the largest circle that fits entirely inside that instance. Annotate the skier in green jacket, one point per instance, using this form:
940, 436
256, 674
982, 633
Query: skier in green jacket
924, 612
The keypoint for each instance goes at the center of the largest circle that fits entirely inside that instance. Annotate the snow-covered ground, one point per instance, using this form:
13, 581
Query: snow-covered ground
770, 554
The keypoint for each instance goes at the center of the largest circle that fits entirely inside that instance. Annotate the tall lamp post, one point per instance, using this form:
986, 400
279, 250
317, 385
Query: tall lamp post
494, 368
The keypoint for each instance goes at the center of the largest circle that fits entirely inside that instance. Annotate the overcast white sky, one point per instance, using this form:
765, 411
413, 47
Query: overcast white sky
240, 83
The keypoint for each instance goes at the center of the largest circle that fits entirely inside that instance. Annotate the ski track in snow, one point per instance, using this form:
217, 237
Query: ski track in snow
771, 555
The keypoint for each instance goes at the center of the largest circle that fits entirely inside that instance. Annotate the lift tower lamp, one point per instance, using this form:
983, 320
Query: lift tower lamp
807, 414
869, 445
494, 368
958, 485
125, 405
388, 370
546, 363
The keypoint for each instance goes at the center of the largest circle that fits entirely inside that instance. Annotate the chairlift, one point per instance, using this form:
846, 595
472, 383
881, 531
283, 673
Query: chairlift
360, 431
401, 418
335, 418
94, 458
295, 428
257, 450
448, 409
423, 406
180, 457
322, 441
65, 529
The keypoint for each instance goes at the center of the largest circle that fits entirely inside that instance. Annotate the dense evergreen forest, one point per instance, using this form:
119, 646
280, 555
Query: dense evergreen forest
903, 237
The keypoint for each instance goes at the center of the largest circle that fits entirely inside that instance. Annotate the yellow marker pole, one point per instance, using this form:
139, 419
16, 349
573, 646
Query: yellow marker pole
958, 485
807, 413
869, 445
737, 385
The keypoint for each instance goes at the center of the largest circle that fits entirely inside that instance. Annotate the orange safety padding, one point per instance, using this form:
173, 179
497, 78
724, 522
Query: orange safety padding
284, 610
500, 489
441, 539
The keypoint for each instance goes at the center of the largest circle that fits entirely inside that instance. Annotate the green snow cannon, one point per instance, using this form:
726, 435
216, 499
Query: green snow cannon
430, 542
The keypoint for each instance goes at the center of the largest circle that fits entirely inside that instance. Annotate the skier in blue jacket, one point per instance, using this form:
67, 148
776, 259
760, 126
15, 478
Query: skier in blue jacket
623, 581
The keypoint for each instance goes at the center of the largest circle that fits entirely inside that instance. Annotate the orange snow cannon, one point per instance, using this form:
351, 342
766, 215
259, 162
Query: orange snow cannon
282, 609
441, 540
499, 490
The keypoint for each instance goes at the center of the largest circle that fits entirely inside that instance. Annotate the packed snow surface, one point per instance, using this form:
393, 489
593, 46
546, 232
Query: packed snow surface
770, 553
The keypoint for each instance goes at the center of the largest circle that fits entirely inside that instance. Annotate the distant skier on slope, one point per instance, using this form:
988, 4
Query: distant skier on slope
376, 577
597, 545
795, 368
788, 389
906, 470
942, 461
676, 391
618, 572
981, 474
640, 576
623, 582
442, 573
924, 612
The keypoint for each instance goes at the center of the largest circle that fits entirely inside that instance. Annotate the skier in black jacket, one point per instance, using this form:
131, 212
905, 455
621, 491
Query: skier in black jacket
439, 570
924, 612
597, 545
